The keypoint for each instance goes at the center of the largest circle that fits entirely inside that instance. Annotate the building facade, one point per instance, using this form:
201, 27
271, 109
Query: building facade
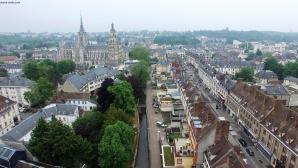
81, 51
14, 88
9, 114
268, 121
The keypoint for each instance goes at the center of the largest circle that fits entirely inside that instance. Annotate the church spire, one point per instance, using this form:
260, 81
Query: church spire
112, 28
81, 26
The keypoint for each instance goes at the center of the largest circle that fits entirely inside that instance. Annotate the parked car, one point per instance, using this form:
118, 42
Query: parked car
242, 142
250, 152
161, 124
158, 123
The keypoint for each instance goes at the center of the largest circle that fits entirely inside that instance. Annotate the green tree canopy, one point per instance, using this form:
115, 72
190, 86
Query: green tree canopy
246, 74
66, 66
40, 92
291, 69
141, 72
140, 53
273, 65
116, 146
3, 72
250, 56
31, 70
49, 69
270, 63
123, 97
55, 143
114, 114
104, 97
89, 126
259, 52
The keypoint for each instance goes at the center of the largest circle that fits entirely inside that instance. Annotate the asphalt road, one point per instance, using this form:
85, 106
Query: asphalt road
154, 146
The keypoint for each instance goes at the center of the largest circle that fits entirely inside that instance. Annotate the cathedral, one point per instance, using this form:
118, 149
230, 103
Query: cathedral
81, 51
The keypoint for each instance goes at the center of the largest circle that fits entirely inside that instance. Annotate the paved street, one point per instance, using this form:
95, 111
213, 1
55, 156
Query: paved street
154, 146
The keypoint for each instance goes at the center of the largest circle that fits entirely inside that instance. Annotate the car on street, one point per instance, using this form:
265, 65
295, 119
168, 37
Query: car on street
161, 124
242, 142
250, 152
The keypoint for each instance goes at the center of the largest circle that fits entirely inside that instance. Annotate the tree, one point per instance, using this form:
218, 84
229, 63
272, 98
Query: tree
137, 85
123, 97
46, 68
114, 114
89, 126
29, 54
116, 146
66, 66
250, 56
40, 92
273, 65
121, 76
49, 71
141, 72
270, 63
291, 69
104, 97
140, 53
247, 74
3, 72
55, 143
31, 70
259, 53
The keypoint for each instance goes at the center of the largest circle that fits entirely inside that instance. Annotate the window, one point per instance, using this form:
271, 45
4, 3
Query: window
179, 161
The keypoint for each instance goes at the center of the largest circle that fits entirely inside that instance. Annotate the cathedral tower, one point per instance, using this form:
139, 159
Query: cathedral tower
82, 35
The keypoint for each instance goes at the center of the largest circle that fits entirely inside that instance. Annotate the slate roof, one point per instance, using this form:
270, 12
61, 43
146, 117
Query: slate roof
275, 90
27, 125
6, 152
11, 66
224, 153
266, 74
292, 79
79, 81
16, 81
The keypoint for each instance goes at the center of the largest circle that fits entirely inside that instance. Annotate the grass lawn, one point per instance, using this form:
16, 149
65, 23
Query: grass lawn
168, 156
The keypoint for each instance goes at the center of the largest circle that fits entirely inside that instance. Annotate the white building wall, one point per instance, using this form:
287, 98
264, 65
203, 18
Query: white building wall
15, 93
82, 104
6, 118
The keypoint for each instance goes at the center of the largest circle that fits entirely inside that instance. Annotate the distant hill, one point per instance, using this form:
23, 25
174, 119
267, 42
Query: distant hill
186, 38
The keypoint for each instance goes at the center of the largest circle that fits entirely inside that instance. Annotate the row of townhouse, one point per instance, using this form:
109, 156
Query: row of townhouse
218, 85
207, 130
270, 123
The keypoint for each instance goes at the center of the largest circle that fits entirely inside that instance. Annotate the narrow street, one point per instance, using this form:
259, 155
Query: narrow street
258, 161
154, 146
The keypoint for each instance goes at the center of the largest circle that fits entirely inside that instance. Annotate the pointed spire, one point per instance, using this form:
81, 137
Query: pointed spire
81, 26
112, 28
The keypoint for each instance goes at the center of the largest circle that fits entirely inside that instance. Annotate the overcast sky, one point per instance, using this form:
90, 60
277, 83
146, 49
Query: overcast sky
177, 15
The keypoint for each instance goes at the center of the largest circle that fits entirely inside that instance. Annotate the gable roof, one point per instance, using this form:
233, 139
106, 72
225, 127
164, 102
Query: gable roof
27, 125
16, 81
79, 81
266, 74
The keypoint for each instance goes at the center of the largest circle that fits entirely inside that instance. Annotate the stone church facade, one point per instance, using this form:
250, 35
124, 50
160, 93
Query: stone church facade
83, 52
